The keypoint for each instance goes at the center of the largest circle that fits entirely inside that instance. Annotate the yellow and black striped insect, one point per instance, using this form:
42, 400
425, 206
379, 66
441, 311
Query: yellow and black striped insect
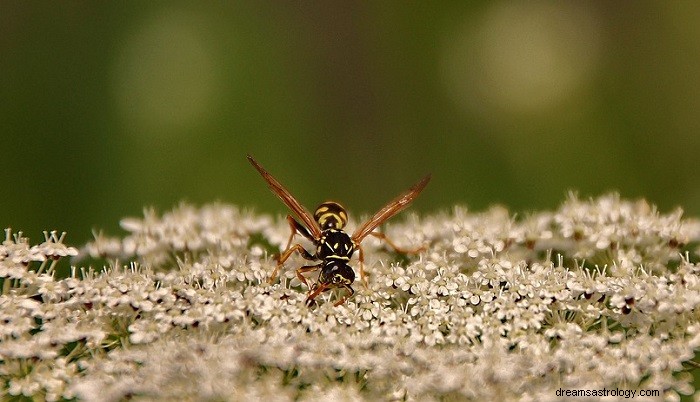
334, 247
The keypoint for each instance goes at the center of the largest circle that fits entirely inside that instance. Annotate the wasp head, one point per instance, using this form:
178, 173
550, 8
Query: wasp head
336, 273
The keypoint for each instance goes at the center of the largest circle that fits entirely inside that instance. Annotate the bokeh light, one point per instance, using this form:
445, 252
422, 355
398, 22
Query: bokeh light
108, 108
166, 79
523, 58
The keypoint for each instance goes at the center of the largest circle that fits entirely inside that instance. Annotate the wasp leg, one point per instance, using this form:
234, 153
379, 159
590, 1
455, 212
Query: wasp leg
306, 268
347, 296
314, 293
297, 227
396, 248
298, 248
361, 257
388, 241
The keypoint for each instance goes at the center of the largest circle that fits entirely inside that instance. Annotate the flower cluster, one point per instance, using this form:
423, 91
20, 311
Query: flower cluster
600, 293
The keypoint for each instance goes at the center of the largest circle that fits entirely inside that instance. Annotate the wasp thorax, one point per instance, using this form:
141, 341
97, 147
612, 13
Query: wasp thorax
331, 215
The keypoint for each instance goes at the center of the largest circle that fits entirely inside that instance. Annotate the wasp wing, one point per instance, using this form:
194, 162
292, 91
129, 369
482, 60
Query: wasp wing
302, 213
391, 209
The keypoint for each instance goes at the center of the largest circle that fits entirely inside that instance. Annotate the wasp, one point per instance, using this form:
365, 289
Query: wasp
334, 247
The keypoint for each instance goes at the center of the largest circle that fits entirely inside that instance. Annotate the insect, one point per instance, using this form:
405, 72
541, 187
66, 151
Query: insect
334, 247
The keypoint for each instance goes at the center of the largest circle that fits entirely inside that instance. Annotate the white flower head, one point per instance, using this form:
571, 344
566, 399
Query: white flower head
600, 293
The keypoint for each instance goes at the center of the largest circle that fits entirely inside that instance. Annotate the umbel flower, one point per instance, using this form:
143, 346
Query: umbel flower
600, 294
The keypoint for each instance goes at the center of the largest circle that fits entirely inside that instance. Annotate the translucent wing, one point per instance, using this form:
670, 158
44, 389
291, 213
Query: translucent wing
391, 209
302, 213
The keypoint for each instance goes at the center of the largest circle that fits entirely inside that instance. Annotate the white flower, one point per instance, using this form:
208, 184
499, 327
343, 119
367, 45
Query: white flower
54, 248
495, 305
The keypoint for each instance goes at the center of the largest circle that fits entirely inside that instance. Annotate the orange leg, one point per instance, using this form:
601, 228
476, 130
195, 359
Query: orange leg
347, 296
313, 294
361, 256
396, 248
306, 268
295, 227
382, 236
298, 248
322, 288
294, 231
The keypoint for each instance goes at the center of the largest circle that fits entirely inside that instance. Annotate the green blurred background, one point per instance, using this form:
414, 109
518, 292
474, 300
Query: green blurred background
107, 107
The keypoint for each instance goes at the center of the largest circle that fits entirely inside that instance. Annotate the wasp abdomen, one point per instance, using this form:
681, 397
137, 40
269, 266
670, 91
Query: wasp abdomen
331, 215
